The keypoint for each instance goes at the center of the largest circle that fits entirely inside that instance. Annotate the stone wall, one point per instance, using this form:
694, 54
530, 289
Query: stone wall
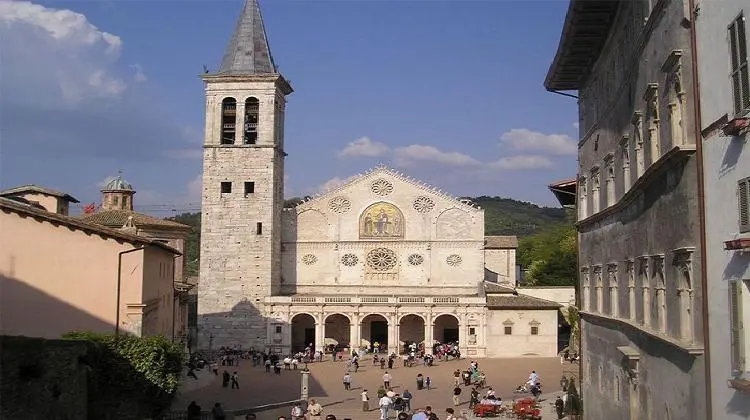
520, 342
638, 210
436, 240
42, 379
240, 239
501, 264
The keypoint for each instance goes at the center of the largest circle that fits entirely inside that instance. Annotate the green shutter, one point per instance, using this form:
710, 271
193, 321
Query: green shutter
743, 194
735, 327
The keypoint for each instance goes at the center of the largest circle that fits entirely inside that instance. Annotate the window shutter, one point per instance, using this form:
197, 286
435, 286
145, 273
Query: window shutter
735, 327
743, 190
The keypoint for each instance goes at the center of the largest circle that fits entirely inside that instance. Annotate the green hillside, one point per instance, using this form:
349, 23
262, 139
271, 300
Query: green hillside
545, 235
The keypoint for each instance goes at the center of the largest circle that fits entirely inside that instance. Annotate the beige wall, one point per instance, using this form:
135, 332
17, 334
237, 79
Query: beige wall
176, 239
57, 279
325, 232
521, 342
503, 263
50, 203
564, 295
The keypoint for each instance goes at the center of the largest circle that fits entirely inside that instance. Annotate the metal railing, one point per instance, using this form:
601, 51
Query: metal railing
436, 300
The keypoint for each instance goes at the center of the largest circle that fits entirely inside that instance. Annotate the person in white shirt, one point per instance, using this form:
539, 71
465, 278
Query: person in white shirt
385, 405
387, 381
365, 401
347, 382
533, 378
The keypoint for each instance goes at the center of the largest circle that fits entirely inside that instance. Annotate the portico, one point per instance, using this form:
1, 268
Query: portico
390, 321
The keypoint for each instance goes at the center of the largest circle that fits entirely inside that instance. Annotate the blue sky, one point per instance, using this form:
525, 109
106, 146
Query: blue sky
449, 92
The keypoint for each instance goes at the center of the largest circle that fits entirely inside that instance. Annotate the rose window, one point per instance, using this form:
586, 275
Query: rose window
381, 259
416, 259
423, 204
349, 260
453, 260
309, 259
381, 187
339, 204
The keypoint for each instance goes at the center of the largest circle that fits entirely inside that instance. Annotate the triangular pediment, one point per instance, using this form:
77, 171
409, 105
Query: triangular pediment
383, 182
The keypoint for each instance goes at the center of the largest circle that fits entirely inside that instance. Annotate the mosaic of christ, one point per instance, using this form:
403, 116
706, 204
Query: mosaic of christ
381, 220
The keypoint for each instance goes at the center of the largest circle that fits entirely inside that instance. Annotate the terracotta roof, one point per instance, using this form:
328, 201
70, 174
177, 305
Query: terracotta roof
40, 190
519, 302
500, 242
8, 206
490, 287
117, 218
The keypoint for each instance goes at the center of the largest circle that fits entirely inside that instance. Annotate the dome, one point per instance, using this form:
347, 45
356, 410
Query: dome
117, 184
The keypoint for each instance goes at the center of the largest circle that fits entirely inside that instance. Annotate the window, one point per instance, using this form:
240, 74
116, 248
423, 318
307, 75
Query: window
535, 330
278, 329
508, 330
249, 188
259, 228
116, 200
228, 120
226, 187
743, 195
738, 62
472, 331
252, 108
737, 342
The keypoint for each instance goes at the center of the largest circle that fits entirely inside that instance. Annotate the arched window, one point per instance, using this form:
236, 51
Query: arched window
228, 120
252, 108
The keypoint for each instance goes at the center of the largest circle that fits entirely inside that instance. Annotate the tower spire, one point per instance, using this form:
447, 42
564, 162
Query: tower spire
248, 52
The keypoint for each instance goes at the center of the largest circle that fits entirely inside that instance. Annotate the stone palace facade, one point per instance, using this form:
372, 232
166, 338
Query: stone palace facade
383, 258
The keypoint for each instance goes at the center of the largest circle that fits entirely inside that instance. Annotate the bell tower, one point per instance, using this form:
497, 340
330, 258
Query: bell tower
243, 188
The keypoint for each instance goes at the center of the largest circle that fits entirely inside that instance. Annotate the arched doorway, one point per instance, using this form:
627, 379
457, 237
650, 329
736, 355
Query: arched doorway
337, 332
446, 329
375, 330
410, 331
303, 332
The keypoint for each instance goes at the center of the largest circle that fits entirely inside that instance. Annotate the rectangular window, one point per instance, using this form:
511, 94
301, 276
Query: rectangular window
278, 329
737, 341
534, 330
738, 62
226, 187
472, 331
249, 188
743, 204
259, 228
508, 330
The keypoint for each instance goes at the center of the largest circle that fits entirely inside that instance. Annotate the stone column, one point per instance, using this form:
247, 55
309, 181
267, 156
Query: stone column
686, 309
320, 329
631, 290
354, 332
463, 334
392, 344
661, 304
239, 123
429, 328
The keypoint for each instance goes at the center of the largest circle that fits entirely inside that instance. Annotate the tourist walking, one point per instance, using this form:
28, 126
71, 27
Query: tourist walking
347, 381
427, 382
385, 405
407, 399
387, 381
235, 381
365, 401
456, 395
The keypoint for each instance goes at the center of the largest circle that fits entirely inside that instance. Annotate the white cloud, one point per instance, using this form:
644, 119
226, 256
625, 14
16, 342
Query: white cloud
139, 75
330, 184
522, 139
521, 162
72, 56
363, 147
416, 153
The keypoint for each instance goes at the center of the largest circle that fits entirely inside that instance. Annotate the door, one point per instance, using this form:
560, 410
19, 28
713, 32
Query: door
310, 336
450, 335
379, 332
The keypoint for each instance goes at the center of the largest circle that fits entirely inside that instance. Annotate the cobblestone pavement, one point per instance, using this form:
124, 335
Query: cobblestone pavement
258, 387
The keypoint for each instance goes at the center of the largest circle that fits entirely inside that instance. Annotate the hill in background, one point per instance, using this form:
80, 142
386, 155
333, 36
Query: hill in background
544, 236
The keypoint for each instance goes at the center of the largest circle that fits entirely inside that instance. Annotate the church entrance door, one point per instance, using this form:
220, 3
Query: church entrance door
375, 330
446, 329
303, 332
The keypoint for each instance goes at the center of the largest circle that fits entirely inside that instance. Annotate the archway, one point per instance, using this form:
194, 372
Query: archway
375, 330
410, 332
303, 332
337, 332
446, 329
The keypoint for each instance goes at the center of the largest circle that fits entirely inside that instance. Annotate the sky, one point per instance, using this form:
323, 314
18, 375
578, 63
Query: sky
449, 92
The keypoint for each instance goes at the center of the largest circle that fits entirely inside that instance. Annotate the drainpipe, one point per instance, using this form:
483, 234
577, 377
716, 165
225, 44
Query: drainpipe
119, 283
697, 122
174, 295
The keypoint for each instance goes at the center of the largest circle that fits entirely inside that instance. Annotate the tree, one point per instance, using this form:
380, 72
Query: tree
550, 257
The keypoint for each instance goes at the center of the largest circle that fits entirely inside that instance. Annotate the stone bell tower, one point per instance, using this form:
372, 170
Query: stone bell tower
243, 188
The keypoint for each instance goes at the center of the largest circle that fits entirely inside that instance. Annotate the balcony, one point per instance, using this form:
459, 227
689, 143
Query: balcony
382, 300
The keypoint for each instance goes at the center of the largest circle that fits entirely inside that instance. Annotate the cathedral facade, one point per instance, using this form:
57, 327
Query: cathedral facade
383, 258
